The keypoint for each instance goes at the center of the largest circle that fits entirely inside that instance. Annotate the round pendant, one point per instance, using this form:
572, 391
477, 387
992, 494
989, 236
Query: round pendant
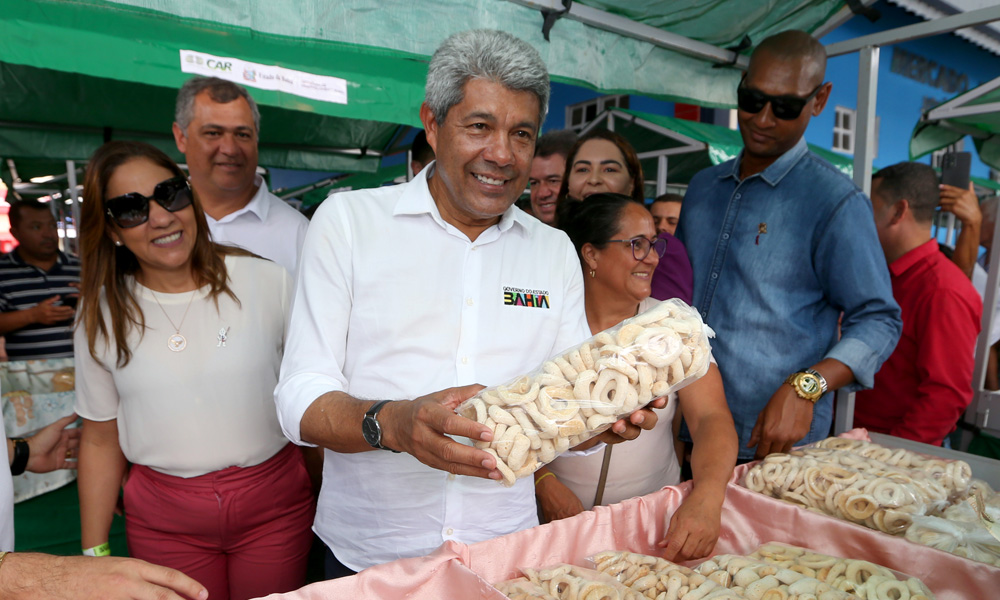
177, 342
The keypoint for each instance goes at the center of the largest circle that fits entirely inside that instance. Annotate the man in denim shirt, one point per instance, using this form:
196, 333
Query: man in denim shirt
782, 244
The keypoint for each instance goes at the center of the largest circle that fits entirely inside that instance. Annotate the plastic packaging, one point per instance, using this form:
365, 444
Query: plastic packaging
565, 582
581, 392
959, 532
847, 486
954, 475
858, 577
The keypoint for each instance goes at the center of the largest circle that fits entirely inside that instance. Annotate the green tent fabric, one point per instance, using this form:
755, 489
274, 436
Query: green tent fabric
981, 120
75, 73
693, 146
359, 181
385, 35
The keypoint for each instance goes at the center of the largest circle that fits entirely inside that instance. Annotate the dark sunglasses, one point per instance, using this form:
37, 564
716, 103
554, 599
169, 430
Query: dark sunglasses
132, 209
786, 108
641, 246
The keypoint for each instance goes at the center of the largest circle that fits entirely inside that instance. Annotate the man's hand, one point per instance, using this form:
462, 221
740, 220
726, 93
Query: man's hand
693, 529
784, 421
47, 313
27, 576
556, 500
962, 203
628, 428
419, 428
54, 447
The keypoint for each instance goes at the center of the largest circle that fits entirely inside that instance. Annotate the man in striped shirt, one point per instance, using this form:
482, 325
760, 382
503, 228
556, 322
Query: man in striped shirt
38, 287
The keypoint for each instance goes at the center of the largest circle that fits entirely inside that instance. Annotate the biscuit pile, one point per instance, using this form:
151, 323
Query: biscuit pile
580, 393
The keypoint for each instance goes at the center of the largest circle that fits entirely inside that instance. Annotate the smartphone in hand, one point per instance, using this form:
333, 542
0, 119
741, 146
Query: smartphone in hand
956, 169
69, 300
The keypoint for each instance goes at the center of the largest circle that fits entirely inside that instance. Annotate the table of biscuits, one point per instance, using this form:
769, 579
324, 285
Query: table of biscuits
752, 522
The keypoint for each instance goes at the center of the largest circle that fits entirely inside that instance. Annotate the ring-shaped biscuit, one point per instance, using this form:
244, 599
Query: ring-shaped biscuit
587, 355
892, 590
567, 370
861, 506
505, 472
659, 346
839, 475
558, 403
889, 494
547, 427
519, 452
514, 398
646, 375
628, 333
609, 392
500, 415
676, 372
619, 364
583, 386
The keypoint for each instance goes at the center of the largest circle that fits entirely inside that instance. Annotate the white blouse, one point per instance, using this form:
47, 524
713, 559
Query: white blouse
209, 406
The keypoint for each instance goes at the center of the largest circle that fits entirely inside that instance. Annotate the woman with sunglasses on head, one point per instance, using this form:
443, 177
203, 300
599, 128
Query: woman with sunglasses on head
618, 249
178, 348
603, 161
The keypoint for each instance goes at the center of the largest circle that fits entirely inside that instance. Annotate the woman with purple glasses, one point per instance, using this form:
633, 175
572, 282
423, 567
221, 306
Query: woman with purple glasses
616, 241
178, 348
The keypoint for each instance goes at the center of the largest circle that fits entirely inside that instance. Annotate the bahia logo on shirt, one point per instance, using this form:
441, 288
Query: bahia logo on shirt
513, 296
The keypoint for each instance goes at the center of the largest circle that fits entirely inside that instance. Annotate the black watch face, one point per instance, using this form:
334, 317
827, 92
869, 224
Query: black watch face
372, 432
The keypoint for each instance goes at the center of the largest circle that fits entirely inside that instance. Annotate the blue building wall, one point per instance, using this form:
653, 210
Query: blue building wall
900, 99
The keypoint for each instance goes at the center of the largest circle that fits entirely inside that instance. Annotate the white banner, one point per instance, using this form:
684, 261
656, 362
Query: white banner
266, 77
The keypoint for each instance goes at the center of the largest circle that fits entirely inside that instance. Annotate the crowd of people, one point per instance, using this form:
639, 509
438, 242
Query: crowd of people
232, 357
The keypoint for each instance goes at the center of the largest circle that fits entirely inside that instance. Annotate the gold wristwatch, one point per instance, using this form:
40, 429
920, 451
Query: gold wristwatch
808, 384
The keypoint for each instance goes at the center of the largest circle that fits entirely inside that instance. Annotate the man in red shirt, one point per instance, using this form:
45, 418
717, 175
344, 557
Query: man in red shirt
926, 385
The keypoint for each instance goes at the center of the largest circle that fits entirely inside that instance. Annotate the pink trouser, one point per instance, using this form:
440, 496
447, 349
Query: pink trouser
241, 532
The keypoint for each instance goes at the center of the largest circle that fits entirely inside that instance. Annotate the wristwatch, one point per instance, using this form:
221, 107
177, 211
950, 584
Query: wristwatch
371, 429
808, 384
22, 451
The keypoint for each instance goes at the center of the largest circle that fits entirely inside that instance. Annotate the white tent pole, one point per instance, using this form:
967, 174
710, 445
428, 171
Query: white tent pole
627, 27
661, 175
978, 413
945, 110
867, 95
864, 145
917, 31
74, 195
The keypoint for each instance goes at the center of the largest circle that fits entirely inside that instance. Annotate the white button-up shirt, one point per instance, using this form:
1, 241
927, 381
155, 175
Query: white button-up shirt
266, 226
394, 303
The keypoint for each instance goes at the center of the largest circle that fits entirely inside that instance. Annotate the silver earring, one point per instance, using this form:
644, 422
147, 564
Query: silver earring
118, 242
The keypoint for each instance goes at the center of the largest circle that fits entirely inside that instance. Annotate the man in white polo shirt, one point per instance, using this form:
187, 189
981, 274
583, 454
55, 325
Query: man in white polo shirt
402, 293
216, 127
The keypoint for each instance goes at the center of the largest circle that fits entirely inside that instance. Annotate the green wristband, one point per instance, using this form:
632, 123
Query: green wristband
102, 550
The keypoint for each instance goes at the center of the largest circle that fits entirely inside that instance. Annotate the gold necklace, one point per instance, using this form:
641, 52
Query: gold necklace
175, 342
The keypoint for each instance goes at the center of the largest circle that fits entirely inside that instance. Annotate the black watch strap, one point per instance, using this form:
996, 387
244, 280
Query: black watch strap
22, 451
372, 429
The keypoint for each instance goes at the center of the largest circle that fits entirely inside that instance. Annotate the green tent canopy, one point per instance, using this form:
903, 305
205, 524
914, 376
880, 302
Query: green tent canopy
685, 146
975, 113
358, 181
76, 73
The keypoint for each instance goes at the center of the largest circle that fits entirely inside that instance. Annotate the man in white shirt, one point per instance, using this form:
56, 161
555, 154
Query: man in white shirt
32, 575
402, 293
216, 127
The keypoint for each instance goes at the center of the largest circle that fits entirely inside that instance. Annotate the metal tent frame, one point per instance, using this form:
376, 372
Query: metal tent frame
868, 48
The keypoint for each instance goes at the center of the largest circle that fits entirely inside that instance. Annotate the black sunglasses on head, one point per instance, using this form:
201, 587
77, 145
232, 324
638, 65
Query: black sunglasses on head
786, 107
132, 209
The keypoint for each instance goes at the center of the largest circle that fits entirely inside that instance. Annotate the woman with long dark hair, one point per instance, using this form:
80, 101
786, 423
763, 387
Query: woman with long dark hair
178, 348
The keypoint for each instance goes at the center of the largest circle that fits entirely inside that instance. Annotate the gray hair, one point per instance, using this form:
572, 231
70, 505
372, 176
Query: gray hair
219, 90
484, 54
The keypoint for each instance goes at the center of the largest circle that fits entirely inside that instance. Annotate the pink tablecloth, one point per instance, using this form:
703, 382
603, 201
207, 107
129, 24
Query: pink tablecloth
748, 519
